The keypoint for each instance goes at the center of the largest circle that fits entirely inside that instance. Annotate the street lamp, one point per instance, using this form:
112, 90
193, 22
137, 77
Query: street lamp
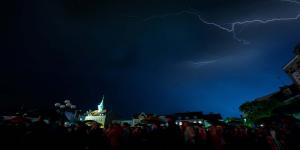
68, 104
73, 106
57, 104
67, 101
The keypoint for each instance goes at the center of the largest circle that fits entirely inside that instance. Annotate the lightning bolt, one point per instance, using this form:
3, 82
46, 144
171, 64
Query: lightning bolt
204, 62
201, 63
232, 28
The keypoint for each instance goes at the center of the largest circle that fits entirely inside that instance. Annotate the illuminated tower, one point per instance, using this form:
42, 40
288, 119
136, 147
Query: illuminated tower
101, 105
98, 115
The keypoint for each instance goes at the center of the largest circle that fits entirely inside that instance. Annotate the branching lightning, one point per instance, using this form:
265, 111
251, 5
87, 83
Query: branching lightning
232, 28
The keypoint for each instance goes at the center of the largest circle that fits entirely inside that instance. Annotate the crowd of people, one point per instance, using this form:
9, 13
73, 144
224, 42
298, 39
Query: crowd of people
54, 134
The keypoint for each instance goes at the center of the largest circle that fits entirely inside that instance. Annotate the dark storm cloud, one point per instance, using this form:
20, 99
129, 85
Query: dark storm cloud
170, 62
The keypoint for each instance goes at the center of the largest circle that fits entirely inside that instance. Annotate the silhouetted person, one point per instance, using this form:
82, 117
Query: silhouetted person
114, 135
38, 136
173, 137
97, 139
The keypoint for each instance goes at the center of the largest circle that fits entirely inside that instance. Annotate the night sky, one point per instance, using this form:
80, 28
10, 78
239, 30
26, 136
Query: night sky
145, 56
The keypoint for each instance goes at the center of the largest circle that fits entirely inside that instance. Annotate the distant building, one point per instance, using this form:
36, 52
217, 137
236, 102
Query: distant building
192, 117
134, 121
292, 68
122, 122
141, 119
138, 118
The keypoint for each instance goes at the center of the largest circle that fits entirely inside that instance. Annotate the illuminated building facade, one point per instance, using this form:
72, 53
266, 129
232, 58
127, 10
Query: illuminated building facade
192, 117
179, 118
98, 115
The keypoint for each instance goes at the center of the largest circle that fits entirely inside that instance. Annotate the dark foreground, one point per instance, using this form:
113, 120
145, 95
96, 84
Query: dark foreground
55, 135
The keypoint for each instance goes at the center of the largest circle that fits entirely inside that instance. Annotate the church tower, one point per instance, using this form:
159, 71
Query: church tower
101, 105
98, 115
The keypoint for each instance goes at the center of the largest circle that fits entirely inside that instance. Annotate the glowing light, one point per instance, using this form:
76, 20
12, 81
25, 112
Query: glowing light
68, 104
67, 101
195, 122
200, 122
67, 124
57, 104
180, 123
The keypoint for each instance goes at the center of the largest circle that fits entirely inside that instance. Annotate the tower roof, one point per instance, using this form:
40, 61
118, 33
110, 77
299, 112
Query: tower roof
101, 105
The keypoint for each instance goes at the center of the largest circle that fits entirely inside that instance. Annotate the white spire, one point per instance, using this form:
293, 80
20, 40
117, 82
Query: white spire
101, 105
